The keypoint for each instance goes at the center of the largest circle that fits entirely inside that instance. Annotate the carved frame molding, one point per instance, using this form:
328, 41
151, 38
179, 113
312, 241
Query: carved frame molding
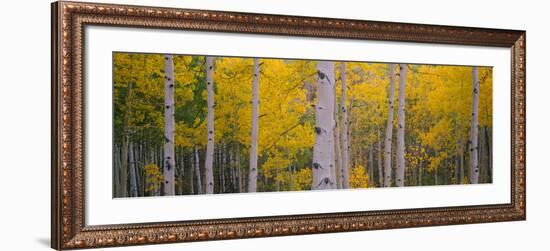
68, 226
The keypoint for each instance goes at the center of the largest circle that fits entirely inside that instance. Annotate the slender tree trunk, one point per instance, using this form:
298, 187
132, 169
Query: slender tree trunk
344, 172
190, 176
133, 178
370, 170
484, 160
222, 167
139, 170
389, 130
458, 150
182, 173
400, 176
461, 163
351, 159
474, 163
277, 173
234, 168
481, 155
238, 166
253, 171
117, 165
337, 148
290, 178
198, 170
334, 164
209, 158
489, 155
414, 181
324, 122
125, 141
421, 174
232, 172
379, 146
456, 169
169, 126
265, 182
435, 175
338, 161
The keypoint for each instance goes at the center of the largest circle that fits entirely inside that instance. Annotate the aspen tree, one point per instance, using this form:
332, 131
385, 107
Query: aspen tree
169, 126
389, 130
253, 172
400, 175
324, 122
209, 159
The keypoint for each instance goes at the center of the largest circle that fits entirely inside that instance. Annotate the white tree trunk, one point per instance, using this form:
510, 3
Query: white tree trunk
125, 140
344, 136
208, 171
350, 128
379, 147
133, 176
324, 122
116, 168
169, 126
370, 169
234, 169
221, 167
474, 164
336, 169
197, 170
238, 166
400, 176
389, 130
253, 172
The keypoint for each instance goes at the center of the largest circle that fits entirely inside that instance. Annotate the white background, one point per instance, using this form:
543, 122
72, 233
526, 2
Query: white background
25, 132
101, 209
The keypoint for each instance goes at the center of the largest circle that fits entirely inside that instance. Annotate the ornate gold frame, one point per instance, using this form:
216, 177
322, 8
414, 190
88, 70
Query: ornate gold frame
68, 228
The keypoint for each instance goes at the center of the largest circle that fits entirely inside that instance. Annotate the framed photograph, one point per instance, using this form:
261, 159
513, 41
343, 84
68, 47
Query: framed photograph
176, 125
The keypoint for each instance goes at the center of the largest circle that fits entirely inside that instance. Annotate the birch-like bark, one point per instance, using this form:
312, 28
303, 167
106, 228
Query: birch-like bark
253, 171
133, 177
389, 130
125, 141
234, 169
324, 122
481, 155
209, 158
117, 165
190, 176
351, 160
182, 171
379, 147
197, 170
169, 126
137, 157
489, 155
337, 150
223, 167
400, 176
238, 166
333, 165
370, 170
474, 163
344, 136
